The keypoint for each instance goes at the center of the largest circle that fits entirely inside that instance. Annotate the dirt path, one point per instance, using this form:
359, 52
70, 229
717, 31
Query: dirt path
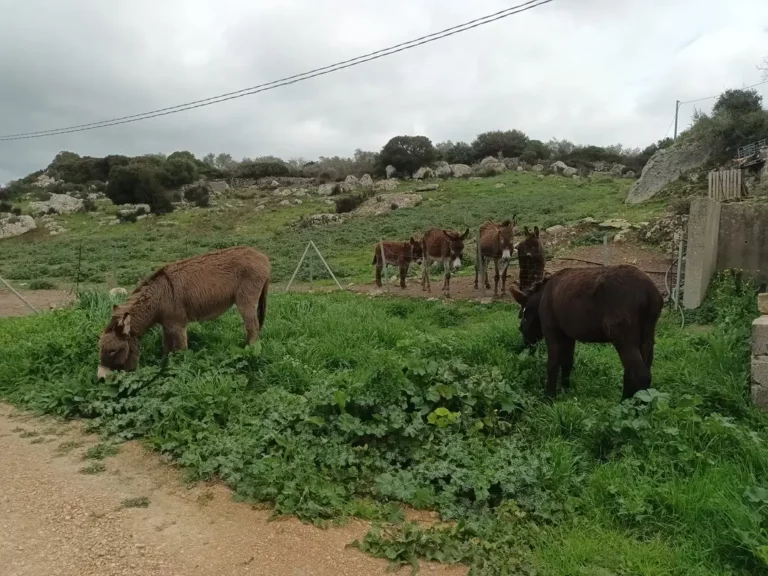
57, 521
462, 287
10, 305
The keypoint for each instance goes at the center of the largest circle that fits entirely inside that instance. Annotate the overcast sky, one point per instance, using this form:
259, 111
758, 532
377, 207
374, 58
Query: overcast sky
591, 71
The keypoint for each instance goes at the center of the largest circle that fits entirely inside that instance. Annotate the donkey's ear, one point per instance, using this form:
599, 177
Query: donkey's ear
124, 325
536, 231
464, 236
520, 297
526, 231
412, 241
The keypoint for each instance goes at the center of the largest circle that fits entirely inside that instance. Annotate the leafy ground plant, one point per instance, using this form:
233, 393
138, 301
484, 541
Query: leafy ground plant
358, 407
139, 502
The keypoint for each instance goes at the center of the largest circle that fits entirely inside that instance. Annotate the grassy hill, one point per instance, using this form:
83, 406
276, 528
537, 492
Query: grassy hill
134, 250
372, 408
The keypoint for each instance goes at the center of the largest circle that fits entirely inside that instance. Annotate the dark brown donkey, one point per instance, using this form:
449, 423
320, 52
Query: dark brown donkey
616, 304
442, 245
530, 256
397, 253
497, 242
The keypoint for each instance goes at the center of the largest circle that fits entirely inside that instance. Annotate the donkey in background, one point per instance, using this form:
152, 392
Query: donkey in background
399, 253
446, 246
530, 256
497, 242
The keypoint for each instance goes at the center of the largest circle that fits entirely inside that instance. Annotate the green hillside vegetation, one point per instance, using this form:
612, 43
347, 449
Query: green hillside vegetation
134, 250
357, 407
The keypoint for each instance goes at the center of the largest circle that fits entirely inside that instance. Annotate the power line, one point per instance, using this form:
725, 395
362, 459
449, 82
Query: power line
717, 95
668, 129
288, 80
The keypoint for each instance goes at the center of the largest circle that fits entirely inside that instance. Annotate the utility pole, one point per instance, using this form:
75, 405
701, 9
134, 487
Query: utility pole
677, 109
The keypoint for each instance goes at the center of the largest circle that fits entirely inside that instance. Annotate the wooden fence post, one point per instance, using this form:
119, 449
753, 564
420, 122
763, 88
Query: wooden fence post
480, 266
385, 276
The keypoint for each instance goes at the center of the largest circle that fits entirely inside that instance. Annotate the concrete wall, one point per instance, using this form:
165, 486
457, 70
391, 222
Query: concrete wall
722, 236
743, 239
760, 354
702, 250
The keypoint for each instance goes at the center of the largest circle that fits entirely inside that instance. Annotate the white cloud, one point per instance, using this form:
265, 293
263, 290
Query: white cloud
592, 71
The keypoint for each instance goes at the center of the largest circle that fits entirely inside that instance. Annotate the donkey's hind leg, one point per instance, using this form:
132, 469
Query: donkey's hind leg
247, 300
174, 338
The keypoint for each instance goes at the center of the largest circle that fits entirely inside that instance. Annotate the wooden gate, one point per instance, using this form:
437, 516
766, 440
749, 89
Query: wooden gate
725, 184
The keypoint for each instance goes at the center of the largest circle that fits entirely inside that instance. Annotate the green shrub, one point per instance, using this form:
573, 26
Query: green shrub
89, 205
348, 202
39, 284
178, 170
5, 206
508, 143
199, 195
256, 170
455, 153
407, 153
138, 184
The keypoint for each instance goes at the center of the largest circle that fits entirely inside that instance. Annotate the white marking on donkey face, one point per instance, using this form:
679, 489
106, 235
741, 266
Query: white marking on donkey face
505, 255
103, 372
456, 263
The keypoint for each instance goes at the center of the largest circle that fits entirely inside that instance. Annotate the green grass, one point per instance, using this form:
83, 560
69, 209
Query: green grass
91, 253
93, 468
140, 502
101, 451
355, 407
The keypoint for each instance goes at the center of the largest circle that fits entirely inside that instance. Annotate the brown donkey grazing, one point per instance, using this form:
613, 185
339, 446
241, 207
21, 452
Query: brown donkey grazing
198, 288
400, 254
497, 242
446, 246
530, 256
616, 304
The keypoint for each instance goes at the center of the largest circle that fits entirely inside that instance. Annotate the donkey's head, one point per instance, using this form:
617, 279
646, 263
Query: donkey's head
506, 238
118, 347
455, 246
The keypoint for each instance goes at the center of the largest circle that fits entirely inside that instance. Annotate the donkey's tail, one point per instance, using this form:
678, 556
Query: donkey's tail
262, 306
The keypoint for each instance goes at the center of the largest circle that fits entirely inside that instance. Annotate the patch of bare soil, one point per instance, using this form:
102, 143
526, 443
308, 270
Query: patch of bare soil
43, 300
462, 287
57, 520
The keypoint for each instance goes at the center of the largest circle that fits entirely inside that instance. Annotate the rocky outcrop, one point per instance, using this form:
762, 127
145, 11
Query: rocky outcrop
352, 181
57, 204
326, 189
443, 170
570, 171
385, 185
388, 202
391, 171
218, 187
461, 170
666, 166
11, 226
616, 170
44, 181
423, 173
366, 181
558, 167
321, 219
538, 168
489, 168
